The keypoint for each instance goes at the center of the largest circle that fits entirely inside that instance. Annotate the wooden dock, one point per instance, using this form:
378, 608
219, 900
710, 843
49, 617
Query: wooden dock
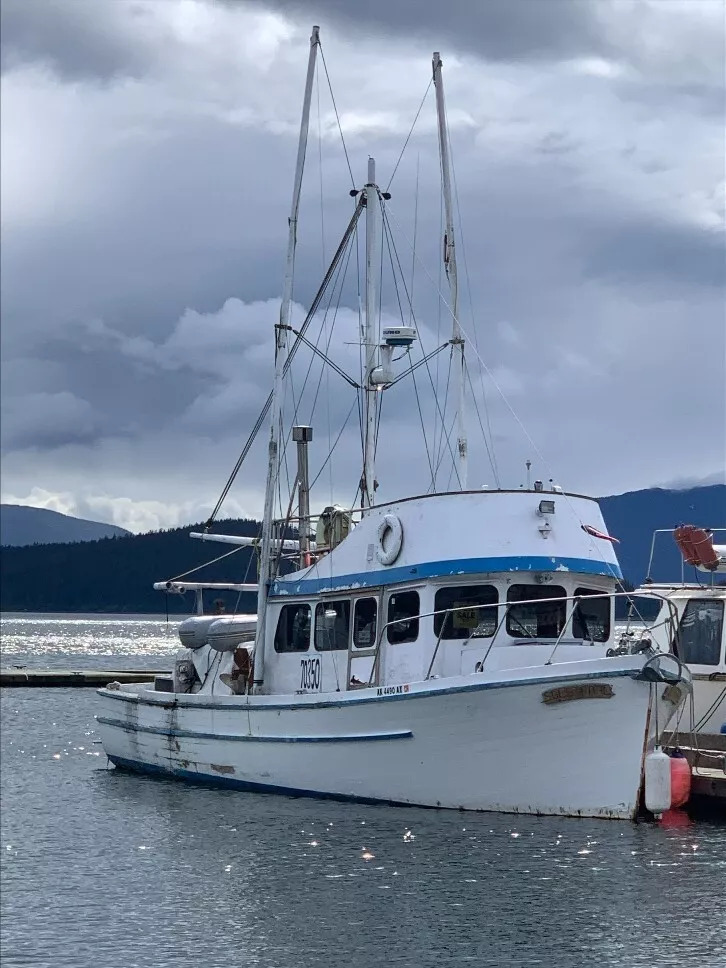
65, 678
709, 785
706, 753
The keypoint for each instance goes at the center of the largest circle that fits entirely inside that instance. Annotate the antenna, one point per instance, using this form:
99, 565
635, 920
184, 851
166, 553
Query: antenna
529, 468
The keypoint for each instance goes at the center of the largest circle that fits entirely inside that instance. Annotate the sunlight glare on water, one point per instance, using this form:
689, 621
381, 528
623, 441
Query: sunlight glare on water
51, 641
103, 869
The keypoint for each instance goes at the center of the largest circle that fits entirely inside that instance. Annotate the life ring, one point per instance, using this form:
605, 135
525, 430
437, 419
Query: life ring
390, 532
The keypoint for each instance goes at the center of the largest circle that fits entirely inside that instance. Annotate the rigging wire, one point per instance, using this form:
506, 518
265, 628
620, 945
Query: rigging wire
312, 359
505, 400
408, 136
337, 116
415, 230
320, 168
287, 437
492, 455
334, 445
440, 283
387, 236
426, 360
484, 436
329, 335
444, 434
288, 362
205, 564
453, 421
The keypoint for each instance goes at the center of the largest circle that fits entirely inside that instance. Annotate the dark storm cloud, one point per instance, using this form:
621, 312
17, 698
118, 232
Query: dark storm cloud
144, 231
656, 252
507, 30
77, 39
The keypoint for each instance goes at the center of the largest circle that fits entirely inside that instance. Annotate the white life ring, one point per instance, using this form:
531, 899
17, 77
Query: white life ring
390, 532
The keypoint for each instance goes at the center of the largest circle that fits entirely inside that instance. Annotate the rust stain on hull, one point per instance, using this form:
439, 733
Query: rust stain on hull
220, 768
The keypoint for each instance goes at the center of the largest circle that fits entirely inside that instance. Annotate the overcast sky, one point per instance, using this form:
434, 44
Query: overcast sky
148, 149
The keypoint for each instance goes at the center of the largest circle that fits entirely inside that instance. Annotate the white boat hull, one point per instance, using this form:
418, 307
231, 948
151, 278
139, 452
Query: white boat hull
473, 742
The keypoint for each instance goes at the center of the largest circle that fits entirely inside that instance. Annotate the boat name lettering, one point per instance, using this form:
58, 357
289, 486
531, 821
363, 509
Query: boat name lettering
310, 674
584, 690
392, 690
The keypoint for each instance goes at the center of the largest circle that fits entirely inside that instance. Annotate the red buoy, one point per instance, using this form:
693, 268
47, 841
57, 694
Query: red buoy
696, 546
684, 540
703, 546
680, 780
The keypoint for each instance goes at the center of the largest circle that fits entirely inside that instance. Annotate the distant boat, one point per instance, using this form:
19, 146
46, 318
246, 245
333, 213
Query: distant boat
691, 623
449, 649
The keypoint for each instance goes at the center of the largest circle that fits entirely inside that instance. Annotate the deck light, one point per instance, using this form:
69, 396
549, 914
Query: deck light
546, 507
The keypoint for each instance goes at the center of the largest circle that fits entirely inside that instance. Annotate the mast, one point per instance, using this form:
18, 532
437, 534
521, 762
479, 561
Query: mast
457, 339
281, 331
370, 338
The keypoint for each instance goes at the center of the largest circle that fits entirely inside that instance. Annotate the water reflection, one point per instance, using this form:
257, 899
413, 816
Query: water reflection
102, 868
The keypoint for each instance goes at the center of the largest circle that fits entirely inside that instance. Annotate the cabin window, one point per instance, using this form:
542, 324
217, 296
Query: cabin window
364, 623
293, 629
403, 612
698, 640
475, 616
591, 618
332, 626
541, 615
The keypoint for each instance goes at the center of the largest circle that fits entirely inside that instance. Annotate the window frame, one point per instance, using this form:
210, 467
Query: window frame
443, 624
585, 593
356, 602
283, 612
327, 604
414, 618
533, 599
696, 602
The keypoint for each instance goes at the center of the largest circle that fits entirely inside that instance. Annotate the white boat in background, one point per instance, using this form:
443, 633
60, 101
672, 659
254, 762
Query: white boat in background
451, 649
698, 636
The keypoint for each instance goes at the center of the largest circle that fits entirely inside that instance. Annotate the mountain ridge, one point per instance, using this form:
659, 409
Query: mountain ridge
22, 525
117, 574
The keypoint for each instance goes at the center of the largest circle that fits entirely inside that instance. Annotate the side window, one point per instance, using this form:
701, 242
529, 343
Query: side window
591, 619
403, 611
364, 623
332, 625
293, 628
698, 640
542, 614
475, 616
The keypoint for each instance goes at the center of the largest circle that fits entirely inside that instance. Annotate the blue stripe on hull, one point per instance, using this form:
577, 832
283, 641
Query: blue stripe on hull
248, 786
459, 567
247, 738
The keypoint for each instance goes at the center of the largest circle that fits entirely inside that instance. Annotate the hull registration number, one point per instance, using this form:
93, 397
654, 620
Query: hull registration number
310, 674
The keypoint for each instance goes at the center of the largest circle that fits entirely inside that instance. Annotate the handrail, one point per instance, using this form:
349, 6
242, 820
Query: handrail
576, 599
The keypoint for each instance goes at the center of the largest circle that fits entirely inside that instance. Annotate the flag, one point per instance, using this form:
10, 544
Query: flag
598, 534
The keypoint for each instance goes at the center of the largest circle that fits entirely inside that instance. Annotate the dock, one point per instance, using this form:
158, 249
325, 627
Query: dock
709, 785
65, 678
706, 754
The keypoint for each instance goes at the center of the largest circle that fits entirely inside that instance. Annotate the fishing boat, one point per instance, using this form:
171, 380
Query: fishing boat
447, 648
698, 634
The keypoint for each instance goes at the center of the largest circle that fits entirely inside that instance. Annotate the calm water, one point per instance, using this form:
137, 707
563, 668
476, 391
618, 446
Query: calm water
116, 871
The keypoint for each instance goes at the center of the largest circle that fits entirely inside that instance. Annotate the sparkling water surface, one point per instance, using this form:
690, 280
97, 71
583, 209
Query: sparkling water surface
102, 868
